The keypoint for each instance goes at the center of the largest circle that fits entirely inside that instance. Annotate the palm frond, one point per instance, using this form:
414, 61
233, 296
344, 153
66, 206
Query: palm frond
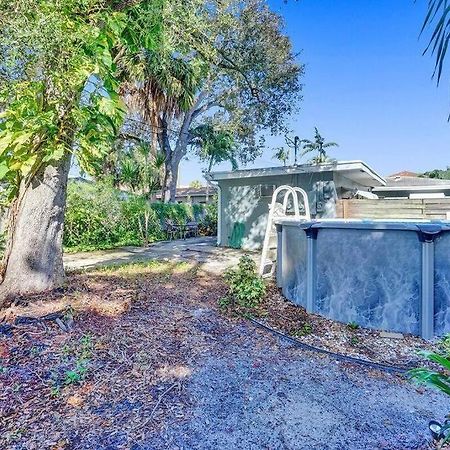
330, 144
438, 18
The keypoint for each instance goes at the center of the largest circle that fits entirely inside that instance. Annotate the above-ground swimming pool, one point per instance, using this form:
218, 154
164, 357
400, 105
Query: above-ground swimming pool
387, 275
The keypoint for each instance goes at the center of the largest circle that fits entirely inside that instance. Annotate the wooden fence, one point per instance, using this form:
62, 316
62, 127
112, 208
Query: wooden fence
429, 208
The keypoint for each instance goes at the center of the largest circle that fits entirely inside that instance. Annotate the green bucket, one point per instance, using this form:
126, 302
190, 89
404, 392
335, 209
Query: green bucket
237, 235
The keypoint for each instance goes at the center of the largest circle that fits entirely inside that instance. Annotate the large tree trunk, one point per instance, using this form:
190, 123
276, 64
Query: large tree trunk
33, 259
173, 180
179, 153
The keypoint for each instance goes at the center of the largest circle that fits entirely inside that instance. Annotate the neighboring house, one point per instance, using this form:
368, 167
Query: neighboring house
244, 195
193, 195
409, 185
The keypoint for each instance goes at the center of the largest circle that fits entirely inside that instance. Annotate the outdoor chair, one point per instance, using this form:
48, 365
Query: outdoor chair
191, 229
174, 230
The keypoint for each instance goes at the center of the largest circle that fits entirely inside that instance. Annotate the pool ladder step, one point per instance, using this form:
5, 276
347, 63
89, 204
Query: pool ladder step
289, 207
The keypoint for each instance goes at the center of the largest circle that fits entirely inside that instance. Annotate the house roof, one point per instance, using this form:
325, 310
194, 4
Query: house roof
410, 183
403, 173
192, 192
355, 170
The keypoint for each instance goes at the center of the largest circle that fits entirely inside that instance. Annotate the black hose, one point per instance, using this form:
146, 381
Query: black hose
338, 356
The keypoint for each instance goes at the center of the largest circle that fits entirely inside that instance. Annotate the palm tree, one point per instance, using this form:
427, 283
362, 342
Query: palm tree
162, 92
282, 155
438, 17
214, 146
141, 169
318, 145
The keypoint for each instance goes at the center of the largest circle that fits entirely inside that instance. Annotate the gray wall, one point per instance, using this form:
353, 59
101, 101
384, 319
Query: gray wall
241, 202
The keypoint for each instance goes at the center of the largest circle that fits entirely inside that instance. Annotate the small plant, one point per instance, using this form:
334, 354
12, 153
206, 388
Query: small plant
17, 434
437, 379
304, 330
354, 341
224, 302
246, 288
76, 357
55, 391
77, 375
352, 326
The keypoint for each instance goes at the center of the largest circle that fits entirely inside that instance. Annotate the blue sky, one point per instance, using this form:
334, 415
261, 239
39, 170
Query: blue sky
367, 85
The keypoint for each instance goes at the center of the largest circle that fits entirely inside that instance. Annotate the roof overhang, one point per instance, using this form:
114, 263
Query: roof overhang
358, 171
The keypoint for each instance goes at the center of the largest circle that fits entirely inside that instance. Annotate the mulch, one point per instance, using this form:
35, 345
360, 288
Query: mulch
280, 314
142, 340
134, 334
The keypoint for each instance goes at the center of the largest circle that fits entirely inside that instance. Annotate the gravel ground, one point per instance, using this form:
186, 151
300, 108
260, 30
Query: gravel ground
269, 395
169, 371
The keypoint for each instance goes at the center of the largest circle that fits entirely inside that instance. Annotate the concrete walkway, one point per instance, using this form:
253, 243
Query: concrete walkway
202, 250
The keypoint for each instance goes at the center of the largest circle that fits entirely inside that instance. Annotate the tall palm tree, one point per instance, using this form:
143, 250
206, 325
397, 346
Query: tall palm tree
438, 18
162, 92
317, 145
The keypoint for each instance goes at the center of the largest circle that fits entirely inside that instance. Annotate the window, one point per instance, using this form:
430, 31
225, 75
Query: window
266, 190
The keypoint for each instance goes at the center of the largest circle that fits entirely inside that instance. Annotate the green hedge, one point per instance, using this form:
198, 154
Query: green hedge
100, 217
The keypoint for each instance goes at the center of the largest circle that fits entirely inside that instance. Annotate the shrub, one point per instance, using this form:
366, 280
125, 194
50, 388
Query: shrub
141, 224
99, 217
208, 223
246, 288
93, 216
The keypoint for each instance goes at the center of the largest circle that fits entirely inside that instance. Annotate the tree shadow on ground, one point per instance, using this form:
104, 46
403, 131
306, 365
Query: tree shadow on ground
148, 323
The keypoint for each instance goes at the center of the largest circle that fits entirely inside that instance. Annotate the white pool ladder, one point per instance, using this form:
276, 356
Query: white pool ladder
280, 211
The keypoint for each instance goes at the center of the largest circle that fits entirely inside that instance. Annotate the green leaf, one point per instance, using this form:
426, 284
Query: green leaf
4, 170
5, 141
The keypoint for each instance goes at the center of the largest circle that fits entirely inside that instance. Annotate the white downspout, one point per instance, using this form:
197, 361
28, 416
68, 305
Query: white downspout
219, 207
219, 215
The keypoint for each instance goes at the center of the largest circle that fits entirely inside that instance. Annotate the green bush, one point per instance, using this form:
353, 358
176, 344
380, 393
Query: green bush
208, 223
179, 213
93, 216
99, 217
246, 288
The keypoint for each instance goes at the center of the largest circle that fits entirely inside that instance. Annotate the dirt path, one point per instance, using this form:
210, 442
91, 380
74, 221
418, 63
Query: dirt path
166, 370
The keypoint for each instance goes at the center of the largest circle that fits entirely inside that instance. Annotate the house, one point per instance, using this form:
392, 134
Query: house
244, 195
410, 185
204, 194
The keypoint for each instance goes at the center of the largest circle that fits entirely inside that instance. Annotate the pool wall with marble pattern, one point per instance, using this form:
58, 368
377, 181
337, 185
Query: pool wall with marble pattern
386, 275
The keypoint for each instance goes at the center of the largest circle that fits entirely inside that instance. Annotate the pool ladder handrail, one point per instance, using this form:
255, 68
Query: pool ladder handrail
290, 191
